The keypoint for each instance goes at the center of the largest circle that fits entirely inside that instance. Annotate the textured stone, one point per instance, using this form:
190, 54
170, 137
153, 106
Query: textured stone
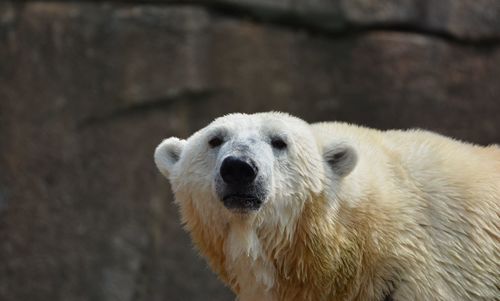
383, 79
88, 90
462, 19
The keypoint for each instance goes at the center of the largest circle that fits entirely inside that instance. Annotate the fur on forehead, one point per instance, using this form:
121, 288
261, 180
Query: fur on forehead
308, 153
269, 121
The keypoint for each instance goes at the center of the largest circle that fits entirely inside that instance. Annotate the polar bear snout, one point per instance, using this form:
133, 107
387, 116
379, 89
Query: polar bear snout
241, 187
238, 170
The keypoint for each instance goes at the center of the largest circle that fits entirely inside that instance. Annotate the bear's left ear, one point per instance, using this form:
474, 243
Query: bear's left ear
168, 153
341, 158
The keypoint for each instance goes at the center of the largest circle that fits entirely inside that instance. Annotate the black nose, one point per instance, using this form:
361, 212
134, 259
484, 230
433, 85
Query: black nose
238, 171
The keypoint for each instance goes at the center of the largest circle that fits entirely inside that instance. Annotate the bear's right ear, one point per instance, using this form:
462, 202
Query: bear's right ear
168, 153
341, 158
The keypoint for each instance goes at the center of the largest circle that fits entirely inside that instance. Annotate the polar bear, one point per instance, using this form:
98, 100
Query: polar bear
286, 210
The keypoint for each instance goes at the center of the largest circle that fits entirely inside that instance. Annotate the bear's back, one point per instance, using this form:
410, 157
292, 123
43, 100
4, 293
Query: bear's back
452, 191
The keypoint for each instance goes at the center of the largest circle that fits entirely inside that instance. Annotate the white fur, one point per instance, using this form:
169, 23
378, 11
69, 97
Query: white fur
196, 166
413, 178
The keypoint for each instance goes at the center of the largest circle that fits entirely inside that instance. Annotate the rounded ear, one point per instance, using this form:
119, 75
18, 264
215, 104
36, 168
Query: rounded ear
341, 158
168, 153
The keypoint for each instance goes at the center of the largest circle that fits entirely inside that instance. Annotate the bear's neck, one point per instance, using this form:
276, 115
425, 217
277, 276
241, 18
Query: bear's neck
328, 254
323, 257
340, 252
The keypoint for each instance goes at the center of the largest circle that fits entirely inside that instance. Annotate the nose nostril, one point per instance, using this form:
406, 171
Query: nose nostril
238, 171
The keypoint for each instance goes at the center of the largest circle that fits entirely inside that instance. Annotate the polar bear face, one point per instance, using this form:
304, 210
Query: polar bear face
266, 164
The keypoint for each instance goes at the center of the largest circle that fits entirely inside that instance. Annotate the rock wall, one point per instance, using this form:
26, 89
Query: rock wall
88, 89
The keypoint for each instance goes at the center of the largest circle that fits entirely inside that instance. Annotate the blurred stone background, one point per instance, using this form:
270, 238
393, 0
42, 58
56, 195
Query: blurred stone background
88, 89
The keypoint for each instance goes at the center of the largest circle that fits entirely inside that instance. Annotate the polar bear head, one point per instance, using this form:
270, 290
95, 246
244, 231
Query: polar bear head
261, 165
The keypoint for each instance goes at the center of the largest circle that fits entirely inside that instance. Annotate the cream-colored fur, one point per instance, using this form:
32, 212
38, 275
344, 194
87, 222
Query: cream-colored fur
417, 216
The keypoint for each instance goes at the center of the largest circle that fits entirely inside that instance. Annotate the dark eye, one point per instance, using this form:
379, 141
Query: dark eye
278, 143
215, 141
336, 157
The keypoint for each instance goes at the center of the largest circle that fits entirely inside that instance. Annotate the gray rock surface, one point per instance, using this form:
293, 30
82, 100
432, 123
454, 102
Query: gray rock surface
461, 19
88, 89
